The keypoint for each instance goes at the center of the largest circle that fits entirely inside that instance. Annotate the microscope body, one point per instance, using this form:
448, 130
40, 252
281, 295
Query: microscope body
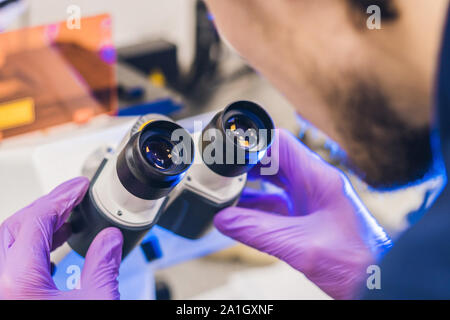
108, 204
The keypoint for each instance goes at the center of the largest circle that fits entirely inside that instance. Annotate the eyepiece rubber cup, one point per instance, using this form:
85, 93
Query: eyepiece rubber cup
143, 172
246, 131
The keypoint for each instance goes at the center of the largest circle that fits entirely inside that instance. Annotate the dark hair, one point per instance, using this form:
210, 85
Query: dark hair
388, 9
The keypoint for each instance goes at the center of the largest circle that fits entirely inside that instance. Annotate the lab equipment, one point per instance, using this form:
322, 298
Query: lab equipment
237, 137
130, 187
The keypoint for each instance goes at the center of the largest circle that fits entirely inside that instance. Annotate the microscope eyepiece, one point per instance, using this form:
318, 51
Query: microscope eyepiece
237, 138
158, 152
231, 144
130, 188
155, 159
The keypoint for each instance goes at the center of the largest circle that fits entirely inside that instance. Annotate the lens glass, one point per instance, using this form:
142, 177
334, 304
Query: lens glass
158, 152
243, 129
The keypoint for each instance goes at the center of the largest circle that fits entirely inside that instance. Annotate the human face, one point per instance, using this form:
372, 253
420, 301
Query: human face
369, 90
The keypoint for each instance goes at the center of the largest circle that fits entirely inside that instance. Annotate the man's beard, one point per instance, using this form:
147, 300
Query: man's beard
382, 149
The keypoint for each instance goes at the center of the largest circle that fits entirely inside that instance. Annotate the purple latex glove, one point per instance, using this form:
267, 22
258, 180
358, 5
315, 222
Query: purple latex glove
316, 223
27, 237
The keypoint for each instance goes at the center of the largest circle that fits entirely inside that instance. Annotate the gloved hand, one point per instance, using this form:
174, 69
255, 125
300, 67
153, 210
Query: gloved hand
317, 224
27, 237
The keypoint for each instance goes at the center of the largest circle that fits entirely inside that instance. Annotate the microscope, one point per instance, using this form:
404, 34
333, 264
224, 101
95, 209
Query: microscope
153, 178
228, 147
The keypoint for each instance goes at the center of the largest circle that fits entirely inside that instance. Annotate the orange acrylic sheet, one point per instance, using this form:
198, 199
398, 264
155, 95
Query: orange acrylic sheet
68, 73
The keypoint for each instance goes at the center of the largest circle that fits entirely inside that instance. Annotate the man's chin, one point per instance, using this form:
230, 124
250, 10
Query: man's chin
388, 172
383, 149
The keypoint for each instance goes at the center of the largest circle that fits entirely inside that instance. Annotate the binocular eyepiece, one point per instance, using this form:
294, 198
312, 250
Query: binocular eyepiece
142, 183
231, 144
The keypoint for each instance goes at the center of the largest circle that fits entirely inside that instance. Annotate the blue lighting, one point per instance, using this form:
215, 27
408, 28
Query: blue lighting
108, 54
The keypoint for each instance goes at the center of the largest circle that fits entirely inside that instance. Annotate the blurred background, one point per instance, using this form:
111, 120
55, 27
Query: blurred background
90, 65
